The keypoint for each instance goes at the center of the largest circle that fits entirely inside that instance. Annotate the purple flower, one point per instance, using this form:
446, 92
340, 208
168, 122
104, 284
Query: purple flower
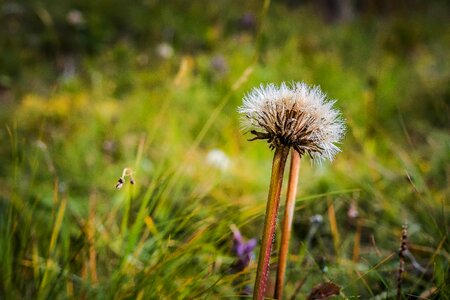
248, 21
219, 65
242, 249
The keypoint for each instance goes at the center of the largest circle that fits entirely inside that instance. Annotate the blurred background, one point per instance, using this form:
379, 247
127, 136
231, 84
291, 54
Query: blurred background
88, 88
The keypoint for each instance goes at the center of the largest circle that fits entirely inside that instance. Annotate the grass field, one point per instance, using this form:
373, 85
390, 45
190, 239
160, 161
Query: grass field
155, 87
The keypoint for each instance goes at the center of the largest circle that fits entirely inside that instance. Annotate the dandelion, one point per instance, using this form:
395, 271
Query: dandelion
296, 117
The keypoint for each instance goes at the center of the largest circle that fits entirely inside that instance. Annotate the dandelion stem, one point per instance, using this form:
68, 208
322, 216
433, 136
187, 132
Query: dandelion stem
287, 223
273, 202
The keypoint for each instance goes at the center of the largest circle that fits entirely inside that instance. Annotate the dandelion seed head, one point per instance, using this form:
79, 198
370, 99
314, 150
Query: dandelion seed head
294, 115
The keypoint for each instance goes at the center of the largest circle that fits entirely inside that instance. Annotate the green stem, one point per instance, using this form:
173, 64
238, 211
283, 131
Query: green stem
287, 224
273, 202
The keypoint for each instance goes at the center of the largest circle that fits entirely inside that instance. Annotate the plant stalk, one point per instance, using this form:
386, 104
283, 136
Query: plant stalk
287, 224
273, 203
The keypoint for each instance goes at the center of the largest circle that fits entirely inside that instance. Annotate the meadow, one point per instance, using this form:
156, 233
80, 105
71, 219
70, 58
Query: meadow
88, 88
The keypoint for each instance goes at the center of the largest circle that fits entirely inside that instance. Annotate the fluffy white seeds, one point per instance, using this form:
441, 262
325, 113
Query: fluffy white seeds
295, 116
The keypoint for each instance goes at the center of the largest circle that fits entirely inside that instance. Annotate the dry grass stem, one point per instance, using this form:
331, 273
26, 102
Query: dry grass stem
401, 266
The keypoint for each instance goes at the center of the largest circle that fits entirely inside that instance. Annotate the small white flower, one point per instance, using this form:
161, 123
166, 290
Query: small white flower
164, 50
75, 17
295, 116
218, 159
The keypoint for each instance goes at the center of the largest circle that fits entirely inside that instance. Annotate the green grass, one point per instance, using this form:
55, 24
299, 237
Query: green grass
65, 232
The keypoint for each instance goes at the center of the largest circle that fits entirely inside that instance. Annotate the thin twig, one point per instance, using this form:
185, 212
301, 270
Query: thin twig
401, 255
298, 287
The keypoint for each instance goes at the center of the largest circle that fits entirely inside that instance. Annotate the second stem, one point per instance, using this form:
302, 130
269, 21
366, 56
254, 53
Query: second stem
287, 224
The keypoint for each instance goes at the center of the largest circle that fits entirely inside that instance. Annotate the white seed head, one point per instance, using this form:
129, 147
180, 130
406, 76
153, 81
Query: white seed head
294, 115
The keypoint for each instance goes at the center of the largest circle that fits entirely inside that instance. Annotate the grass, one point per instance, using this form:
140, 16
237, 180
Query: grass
65, 232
